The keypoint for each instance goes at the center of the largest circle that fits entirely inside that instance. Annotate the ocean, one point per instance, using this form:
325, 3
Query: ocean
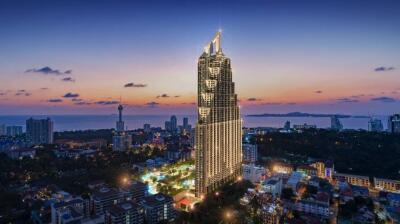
85, 122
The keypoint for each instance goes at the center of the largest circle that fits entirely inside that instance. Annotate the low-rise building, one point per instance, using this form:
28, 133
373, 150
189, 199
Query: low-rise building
318, 206
271, 213
158, 208
253, 173
134, 191
272, 186
294, 179
394, 199
21, 153
280, 167
104, 198
307, 170
127, 212
353, 179
68, 211
320, 166
387, 184
304, 126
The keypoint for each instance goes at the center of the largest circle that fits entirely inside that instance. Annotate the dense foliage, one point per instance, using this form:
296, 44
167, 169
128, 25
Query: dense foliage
357, 152
220, 208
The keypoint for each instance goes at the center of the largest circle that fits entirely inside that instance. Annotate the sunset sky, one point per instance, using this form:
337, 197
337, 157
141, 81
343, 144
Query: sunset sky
80, 57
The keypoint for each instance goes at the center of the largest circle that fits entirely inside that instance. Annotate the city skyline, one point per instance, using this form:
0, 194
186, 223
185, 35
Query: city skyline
312, 57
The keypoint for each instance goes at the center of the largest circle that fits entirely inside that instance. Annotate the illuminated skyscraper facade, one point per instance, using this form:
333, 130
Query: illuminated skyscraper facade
219, 127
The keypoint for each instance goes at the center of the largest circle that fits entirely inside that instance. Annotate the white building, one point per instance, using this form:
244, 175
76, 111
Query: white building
294, 180
253, 173
272, 186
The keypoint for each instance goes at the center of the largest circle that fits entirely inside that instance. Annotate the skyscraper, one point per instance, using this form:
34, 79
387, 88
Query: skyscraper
394, 123
219, 127
375, 125
185, 123
39, 131
336, 124
174, 123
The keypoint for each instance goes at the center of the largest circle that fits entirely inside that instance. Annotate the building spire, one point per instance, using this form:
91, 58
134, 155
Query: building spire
214, 46
217, 41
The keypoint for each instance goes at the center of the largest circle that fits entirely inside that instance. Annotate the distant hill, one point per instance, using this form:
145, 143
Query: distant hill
301, 114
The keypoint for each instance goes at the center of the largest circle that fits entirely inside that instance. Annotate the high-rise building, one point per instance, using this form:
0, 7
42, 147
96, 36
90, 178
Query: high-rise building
286, 126
336, 124
147, 128
39, 131
167, 125
219, 127
3, 129
173, 123
186, 127
249, 153
121, 140
394, 123
185, 122
13, 130
375, 125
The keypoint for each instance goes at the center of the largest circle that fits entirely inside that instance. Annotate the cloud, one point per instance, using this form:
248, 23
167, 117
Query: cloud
383, 69
152, 104
82, 103
135, 85
71, 95
358, 96
76, 100
177, 96
55, 100
107, 102
44, 88
252, 99
163, 96
318, 92
22, 92
48, 71
68, 79
384, 99
191, 103
291, 103
271, 104
347, 100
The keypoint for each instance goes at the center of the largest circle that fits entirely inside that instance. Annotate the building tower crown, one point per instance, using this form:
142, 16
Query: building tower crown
214, 46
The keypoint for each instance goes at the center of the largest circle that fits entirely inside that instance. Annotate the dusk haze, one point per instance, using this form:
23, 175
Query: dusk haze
199, 112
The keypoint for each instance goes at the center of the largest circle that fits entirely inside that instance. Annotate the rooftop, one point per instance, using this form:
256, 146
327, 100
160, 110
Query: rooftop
156, 199
123, 207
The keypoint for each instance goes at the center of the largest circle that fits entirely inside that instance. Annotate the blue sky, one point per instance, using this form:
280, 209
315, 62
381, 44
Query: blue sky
313, 56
